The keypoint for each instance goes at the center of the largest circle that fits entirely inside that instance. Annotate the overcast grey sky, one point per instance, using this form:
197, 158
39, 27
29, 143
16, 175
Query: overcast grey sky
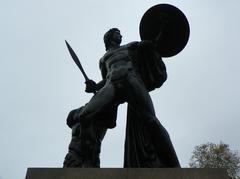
40, 83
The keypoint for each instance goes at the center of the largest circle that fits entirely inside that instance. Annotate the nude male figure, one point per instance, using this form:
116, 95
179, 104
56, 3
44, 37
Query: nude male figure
122, 82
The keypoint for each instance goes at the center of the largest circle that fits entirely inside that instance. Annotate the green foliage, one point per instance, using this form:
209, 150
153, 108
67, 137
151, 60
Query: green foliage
212, 155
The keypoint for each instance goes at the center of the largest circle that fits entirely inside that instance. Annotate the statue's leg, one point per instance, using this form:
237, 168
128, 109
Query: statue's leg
140, 101
92, 133
101, 101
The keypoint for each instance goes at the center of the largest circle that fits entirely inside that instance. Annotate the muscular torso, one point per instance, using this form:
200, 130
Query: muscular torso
118, 62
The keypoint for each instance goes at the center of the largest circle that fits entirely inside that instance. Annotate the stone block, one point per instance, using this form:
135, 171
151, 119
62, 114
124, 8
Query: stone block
125, 173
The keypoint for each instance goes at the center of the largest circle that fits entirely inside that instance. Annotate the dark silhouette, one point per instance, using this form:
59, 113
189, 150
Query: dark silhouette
129, 72
85, 145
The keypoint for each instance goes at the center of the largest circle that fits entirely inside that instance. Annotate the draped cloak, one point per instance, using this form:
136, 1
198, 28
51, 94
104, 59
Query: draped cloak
141, 150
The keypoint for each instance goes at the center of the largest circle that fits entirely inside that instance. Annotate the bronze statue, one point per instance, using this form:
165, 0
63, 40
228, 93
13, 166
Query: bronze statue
85, 145
129, 72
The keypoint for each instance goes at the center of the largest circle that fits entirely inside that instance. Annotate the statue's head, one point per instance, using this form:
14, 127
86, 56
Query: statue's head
112, 36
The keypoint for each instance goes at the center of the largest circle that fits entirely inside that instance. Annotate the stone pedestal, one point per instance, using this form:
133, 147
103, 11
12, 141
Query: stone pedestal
125, 173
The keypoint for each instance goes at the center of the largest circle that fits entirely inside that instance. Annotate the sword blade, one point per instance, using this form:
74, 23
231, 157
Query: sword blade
76, 60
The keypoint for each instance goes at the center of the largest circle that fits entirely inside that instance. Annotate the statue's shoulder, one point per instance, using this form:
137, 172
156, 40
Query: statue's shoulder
131, 44
103, 58
101, 61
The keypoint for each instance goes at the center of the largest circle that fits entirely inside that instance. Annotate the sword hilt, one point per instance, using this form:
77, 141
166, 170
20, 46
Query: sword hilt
92, 83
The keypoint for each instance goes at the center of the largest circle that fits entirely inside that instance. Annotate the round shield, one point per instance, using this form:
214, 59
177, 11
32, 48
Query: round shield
167, 26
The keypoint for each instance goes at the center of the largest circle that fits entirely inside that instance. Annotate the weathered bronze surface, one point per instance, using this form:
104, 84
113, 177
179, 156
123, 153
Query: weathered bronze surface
129, 72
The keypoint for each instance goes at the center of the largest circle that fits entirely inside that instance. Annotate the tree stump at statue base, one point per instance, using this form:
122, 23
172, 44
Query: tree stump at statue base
125, 173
